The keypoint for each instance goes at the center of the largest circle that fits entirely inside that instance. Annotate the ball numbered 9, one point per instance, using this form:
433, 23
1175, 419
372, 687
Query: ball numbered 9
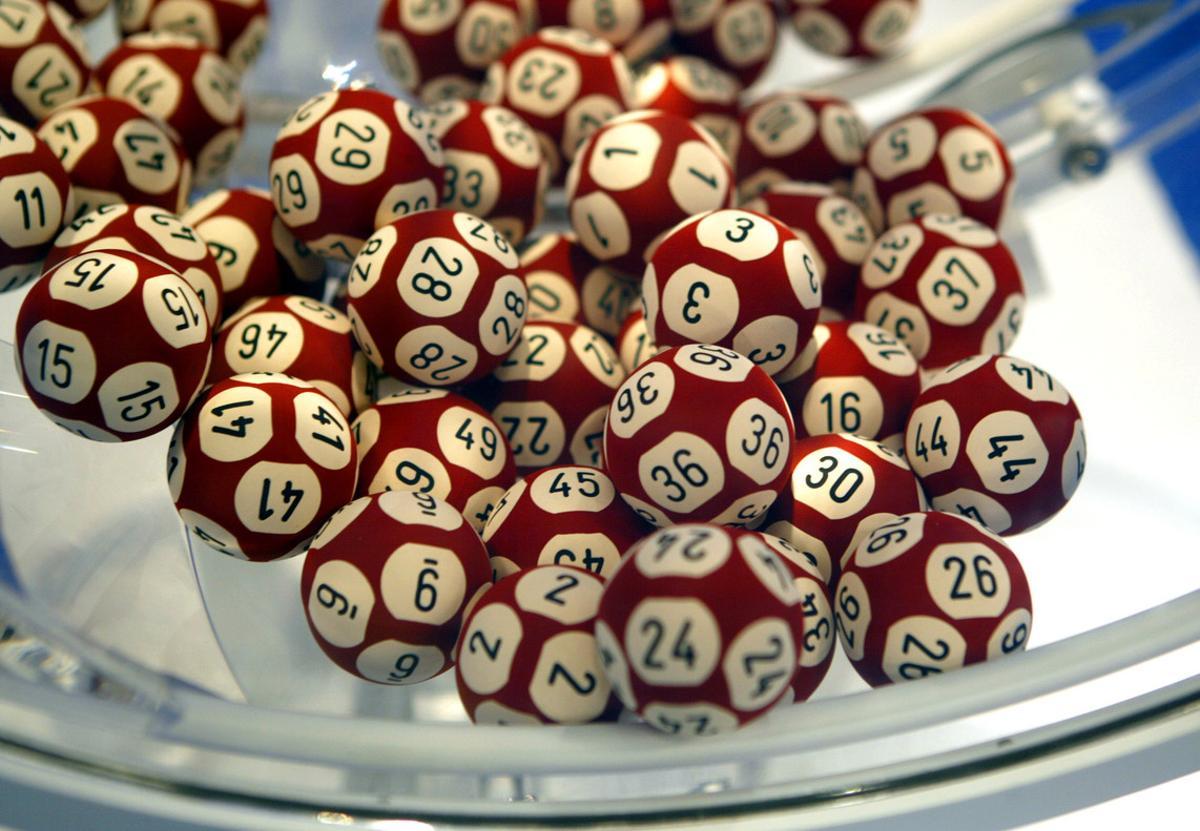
37, 191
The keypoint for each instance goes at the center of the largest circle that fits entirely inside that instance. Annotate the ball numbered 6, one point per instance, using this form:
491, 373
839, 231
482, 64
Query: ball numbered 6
435, 299
36, 188
699, 630
527, 654
966, 599
258, 463
113, 346
998, 440
674, 461
385, 585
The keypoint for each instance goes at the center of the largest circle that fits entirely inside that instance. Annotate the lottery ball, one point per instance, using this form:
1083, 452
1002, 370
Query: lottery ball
236, 29
639, 176
699, 629
798, 136
258, 463
926, 593
737, 35
36, 188
565, 515
434, 441
692, 87
840, 488
735, 279
188, 87
997, 440
386, 582
636, 27
852, 378
567, 283
724, 461
294, 335
256, 254
934, 161
553, 392
435, 298
527, 653
351, 161
853, 28
836, 231
114, 153
946, 286
816, 608
111, 345
634, 344
146, 229
43, 62
494, 166
83, 10
440, 51
565, 83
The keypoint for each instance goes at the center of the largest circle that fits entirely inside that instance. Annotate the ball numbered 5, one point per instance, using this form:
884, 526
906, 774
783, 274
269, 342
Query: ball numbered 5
35, 186
724, 462
385, 585
966, 599
258, 463
699, 629
113, 346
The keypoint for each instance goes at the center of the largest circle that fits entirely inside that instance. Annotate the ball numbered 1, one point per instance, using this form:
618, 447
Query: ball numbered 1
36, 188
966, 599
699, 630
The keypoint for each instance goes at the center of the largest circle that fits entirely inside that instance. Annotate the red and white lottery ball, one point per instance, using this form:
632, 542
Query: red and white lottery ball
997, 440
112, 346
965, 599
37, 191
945, 285
567, 283
816, 608
258, 463
188, 87
936, 161
698, 434
565, 83
636, 27
699, 629
836, 231
739, 36
149, 230
83, 10
385, 585
235, 29
634, 345
114, 153
692, 87
435, 298
553, 392
639, 176
351, 161
256, 254
852, 378
527, 653
735, 279
853, 28
436, 442
297, 336
798, 136
43, 62
564, 515
840, 488
494, 165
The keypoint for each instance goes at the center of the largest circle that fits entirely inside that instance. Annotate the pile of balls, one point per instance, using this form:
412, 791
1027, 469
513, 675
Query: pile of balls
755, 401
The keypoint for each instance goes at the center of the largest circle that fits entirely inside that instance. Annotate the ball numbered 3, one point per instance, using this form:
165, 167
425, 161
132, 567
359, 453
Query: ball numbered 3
111, 345
699, 629
853, 28
385, 585
966, 599
723, 462
36, 188
527, 653
258, 463
997, 440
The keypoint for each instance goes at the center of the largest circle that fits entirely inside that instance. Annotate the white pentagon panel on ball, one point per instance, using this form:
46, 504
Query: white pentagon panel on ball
318, 313
568, 683
846, 227
294, 190
340, 603
699, 178
342, 518
537, 356
471, 441
644, 396
882, 349
623, 156
973, 163
769, 568
890, 540
681, 473
921, 645
586, 444
607, 299
567, 595
956, 286
412, 508
1030, 382
175, 311
683, 551
740, 234
594, 552
70, 133
833, 482
933, 438
962, 230
488, 646
322, 432
551, 296
698, 719
894, 250
277, 498
906, 146
543, 81
699, 304
211, 533
673, 642
406, 198
886, 23
758, 440
480, 505
25, 21
1011, 635
44, 77
616, 668
1074, 461
818, 622
813, 551
94, 280
138, 396
157, 87
597, 356
147, 156
503, 508
434, 355
573, 489
502, 319
472, 182
423, 584
842, 404
534, 429
906, 320
1004, 329
41, 209
852, 615
804, 272
967, 580
437, 277
713, 362
976, 506
412, 469
601, 225
925, 198
58, 362
235, 424
781, 127
512, 137
1007, 452
367, 268
759, 664
397, 662
429, 18
308, 115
